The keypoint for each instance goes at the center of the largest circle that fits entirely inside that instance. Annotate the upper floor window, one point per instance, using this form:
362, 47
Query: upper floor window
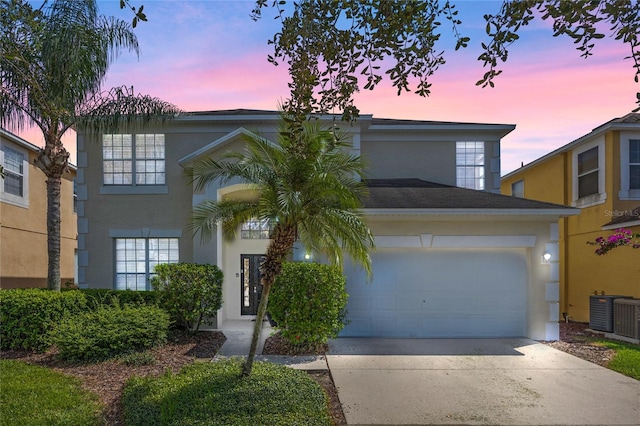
133, 159
634, 164
136, 259
629, 166
588, 170
14, 186
256, 229
517, 189
470, 165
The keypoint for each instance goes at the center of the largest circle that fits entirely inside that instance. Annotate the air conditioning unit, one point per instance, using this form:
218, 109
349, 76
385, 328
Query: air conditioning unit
601, 312
626, 313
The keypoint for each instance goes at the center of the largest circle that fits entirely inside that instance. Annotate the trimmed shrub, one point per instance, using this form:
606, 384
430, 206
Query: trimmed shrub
107, 297
29, 316
193, 293
308, 302
216, 394
111, 331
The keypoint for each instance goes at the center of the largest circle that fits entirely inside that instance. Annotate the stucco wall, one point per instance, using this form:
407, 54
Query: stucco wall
23, 234
581, 271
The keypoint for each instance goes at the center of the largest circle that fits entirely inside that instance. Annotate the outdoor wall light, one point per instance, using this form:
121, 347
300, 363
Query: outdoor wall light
546, 257
307, 256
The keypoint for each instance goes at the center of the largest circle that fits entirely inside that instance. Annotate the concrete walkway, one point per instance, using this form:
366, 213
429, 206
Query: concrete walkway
476, 382
238, 343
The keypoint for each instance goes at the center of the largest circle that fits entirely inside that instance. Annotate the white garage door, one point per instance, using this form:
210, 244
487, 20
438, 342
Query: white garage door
439, 293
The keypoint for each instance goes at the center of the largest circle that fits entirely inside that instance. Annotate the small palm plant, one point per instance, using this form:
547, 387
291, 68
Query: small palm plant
307, 184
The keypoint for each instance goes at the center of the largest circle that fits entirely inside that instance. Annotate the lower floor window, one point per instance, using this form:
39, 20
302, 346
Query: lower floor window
136, 259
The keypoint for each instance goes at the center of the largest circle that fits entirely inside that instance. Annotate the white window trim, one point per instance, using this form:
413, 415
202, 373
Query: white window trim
601, 196
625, 192
513, 184
146, 234
483, 166
133, 188
19, 201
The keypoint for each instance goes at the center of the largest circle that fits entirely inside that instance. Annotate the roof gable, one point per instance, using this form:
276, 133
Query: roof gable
239, 133
627, 122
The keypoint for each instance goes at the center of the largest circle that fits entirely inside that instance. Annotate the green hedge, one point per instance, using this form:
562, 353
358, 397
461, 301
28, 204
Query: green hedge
111, 331
192, 293
28, 316
107, 297
308, 301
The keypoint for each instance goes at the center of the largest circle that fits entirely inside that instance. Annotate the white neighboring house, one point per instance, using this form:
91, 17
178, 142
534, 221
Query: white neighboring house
454, 258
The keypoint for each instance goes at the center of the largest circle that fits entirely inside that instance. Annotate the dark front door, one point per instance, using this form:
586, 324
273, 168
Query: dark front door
250, 287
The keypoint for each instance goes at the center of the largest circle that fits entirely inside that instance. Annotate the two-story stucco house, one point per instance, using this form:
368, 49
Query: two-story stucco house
454, 258
23, 218
599, 173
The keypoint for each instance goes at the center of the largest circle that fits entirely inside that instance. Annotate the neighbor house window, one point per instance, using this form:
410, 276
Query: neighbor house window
517, 189
256, 229
470, 165
634, 164
14, 172
588, 172
14, 187
137, 257
133, 159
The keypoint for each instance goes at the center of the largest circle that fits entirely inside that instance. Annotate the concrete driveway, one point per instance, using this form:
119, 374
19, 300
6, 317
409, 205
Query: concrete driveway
476, 382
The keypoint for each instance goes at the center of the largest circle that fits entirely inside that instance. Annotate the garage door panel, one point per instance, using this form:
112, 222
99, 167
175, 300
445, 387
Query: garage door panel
445, 293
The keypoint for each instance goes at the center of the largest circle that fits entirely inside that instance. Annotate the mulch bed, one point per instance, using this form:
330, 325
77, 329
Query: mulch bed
575, 339
107, 379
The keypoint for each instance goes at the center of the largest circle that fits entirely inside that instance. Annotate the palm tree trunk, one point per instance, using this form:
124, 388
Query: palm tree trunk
53, 160
279, 248
53, 232
257, 329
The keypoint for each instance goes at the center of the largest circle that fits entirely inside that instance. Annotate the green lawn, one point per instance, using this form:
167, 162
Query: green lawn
32, 395
627, 358
215, 394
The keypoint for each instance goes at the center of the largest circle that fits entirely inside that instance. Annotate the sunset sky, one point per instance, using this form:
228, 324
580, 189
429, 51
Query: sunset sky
207, 55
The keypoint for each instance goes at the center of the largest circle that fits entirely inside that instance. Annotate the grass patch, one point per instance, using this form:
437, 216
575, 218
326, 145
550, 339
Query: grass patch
33, 395
215, 394
626, 359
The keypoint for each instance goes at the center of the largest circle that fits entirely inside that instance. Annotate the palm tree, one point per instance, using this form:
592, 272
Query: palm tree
53, 61
307, 184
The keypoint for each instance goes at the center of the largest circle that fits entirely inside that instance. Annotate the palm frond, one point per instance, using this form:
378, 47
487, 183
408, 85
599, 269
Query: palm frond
308, 181
120, 106
229, 214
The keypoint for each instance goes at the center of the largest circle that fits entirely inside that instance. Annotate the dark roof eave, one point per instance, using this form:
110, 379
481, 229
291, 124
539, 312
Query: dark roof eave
466, 212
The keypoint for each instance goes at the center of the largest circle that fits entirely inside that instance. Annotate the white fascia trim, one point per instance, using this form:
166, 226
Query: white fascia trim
483, 241
215, 145
563, 212
398, 241
18, 140
621, 225
454, 241
593, 134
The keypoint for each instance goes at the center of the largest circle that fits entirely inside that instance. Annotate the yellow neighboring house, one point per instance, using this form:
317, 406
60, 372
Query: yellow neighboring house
23, 218
600, 174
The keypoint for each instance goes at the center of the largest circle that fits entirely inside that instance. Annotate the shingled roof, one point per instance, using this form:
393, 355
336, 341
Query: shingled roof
420, 194
624, 218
